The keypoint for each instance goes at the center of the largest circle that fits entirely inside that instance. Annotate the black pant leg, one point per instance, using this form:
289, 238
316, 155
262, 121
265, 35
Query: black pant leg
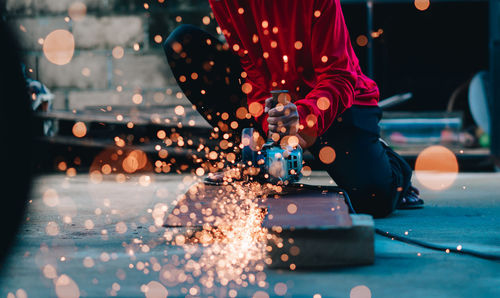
374, 176
209, 76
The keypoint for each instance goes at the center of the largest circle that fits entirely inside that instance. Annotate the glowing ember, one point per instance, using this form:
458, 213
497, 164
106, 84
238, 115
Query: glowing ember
234, 241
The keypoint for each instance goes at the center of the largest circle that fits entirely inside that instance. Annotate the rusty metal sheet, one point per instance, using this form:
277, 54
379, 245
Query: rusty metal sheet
314, 207
307, 209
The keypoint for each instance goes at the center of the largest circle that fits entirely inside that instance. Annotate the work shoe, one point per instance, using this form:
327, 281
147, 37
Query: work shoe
411, 199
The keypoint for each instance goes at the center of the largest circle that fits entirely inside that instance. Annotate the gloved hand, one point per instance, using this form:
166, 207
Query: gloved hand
283, 118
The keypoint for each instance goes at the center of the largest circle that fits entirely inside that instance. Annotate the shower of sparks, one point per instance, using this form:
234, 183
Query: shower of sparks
232, 239
241, 246
231, 248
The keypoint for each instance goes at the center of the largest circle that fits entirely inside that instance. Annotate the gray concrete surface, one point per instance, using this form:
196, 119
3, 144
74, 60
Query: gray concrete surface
61, 253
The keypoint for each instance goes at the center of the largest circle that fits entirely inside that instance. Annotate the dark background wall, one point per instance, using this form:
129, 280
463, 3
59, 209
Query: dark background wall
429, 53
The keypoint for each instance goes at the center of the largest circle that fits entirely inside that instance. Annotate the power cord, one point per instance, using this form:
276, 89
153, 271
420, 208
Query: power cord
392, 236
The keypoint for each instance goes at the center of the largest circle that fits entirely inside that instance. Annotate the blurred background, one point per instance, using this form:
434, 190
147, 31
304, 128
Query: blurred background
112, 76
107, 115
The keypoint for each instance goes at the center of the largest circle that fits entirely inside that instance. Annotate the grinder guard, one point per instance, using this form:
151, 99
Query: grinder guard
275, 166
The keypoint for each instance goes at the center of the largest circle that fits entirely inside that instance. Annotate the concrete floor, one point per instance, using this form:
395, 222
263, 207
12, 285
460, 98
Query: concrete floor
83, 244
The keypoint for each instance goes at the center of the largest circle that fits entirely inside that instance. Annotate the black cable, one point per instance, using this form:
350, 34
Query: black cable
438, 247
433, 246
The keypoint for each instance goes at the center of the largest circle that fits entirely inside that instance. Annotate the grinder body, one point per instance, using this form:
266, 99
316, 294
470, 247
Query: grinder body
275, 164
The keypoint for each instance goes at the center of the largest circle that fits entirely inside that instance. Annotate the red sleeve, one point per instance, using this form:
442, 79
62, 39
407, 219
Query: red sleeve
256, 74
336, 75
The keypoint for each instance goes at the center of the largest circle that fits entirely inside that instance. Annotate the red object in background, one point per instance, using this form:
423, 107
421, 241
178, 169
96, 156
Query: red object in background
299, 45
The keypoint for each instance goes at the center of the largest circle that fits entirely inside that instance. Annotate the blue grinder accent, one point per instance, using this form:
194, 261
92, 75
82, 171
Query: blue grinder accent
279, 164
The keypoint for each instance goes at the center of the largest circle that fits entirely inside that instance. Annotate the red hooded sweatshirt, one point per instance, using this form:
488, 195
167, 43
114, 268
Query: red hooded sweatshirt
299, 45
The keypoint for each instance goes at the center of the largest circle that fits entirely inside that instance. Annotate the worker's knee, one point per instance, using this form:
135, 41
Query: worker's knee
183, 35
376, 200
180, 33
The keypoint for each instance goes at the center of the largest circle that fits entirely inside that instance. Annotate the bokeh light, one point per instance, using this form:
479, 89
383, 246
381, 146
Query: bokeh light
422, 4
291, 208
360, 291
260, 294
155, 289
158, 38
59, 47
52, 228
77, 11
327, 155
137, 98
323, 103
49, 271
280, 289
436, 167
362, 40
118, 52
79, 129
246, 88
256, 109
66, 287
179, 110
50, 197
